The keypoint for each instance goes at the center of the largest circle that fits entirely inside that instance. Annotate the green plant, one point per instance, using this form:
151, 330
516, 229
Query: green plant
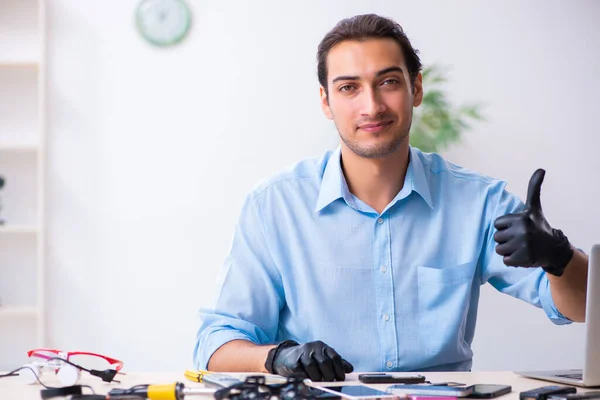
436, 123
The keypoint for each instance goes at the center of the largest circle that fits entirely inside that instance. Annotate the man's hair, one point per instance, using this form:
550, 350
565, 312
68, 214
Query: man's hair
364, 27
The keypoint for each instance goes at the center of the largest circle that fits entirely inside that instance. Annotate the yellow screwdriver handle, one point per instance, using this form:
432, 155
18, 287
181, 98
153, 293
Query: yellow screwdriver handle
173, 391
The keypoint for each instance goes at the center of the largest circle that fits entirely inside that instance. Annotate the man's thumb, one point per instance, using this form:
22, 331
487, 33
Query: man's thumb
533, 191
347, 366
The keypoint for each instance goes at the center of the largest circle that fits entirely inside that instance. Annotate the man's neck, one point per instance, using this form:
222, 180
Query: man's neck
375, 181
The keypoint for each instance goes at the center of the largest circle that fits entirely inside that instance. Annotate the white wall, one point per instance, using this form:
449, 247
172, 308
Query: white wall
152, 151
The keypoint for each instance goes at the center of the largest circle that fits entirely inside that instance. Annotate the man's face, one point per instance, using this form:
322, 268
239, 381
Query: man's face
370, 96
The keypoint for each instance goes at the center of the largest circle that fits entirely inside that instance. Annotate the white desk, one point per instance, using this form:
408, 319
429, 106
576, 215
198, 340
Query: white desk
12, 388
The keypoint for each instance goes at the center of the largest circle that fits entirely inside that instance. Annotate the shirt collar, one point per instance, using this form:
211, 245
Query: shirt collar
334, 186
418, 179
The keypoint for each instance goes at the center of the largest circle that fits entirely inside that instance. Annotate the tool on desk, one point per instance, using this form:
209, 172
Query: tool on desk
174, 391
61, 391
543, 392
210, 378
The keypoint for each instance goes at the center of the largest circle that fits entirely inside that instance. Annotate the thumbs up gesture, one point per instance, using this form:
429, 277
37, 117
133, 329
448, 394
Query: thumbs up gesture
527, 240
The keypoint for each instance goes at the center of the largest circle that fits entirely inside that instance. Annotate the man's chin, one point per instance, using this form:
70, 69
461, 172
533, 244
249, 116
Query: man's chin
380, 146
375, 151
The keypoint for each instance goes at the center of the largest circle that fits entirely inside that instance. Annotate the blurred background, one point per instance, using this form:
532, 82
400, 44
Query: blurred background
126, 162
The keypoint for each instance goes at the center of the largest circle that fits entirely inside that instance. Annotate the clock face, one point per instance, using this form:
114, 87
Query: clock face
163, 22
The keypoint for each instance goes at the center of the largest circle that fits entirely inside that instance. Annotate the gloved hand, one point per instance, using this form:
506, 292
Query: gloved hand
314, 360
527, 240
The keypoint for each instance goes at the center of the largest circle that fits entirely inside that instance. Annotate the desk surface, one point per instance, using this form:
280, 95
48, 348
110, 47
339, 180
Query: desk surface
13, 388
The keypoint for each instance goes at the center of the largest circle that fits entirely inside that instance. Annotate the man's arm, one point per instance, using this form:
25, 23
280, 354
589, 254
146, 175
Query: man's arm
248, 300
526, 239
238, 334
315, 360
240, 355
569, 290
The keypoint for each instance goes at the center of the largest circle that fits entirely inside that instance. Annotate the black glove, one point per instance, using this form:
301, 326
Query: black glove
314, 360
527, 240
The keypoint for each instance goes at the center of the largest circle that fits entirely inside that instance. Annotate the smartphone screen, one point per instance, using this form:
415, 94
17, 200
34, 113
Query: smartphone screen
350, 392
431, 390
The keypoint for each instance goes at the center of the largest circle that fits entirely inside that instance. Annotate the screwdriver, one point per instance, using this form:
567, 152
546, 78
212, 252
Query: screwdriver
174, 391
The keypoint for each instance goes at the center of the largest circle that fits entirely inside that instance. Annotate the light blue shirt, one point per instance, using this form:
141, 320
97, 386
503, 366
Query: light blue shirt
396, 291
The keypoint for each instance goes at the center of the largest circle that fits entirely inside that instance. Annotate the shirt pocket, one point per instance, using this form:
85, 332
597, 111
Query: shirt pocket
444, 296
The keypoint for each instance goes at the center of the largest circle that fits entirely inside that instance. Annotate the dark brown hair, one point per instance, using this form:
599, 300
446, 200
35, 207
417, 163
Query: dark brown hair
363, 27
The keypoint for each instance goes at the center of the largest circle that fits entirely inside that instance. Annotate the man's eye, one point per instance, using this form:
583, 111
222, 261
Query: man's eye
391, 81
346, 88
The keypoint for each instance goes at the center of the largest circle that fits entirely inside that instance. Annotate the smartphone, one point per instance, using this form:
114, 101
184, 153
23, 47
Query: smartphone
351, 392
431, 390
391, 378
543, 392
481, 391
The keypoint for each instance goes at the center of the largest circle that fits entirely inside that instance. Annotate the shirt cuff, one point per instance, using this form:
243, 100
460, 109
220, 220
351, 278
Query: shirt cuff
548, 303
217, 339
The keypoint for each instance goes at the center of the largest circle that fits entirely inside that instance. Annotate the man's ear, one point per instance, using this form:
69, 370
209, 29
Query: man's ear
418, 90
325, 103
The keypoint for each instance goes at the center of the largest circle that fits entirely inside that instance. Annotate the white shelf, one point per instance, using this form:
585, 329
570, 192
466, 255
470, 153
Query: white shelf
18, 311
20, 90
18, 229
22, 165
20, 30
19, 63
18, 148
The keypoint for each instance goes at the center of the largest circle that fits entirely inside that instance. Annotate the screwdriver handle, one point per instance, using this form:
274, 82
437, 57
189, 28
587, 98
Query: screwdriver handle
173, 391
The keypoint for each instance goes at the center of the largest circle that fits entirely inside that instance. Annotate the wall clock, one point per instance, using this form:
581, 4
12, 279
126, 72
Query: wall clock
163, 22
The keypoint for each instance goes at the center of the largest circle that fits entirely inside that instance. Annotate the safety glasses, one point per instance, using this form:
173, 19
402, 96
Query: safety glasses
82, 358
69, 365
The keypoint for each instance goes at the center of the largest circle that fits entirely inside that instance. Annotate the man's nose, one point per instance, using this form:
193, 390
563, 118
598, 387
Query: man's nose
373, 104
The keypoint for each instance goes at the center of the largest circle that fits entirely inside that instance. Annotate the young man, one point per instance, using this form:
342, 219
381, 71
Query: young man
376, 251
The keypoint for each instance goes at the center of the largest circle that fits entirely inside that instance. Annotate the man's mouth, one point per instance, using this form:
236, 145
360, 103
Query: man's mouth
375, 127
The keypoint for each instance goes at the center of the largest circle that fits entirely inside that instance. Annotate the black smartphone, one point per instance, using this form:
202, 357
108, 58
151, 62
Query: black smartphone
391, 378
483, 391
543, 392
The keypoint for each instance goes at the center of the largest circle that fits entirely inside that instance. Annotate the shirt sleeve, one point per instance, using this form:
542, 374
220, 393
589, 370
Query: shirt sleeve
249, 292
528, 284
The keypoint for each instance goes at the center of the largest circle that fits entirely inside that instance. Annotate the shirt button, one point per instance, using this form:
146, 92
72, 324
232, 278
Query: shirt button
383, 269
386, 317
389, 364
380, 221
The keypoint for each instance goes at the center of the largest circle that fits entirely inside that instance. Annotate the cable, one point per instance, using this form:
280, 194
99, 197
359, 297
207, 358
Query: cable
68, 362
108, 375
14, 373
